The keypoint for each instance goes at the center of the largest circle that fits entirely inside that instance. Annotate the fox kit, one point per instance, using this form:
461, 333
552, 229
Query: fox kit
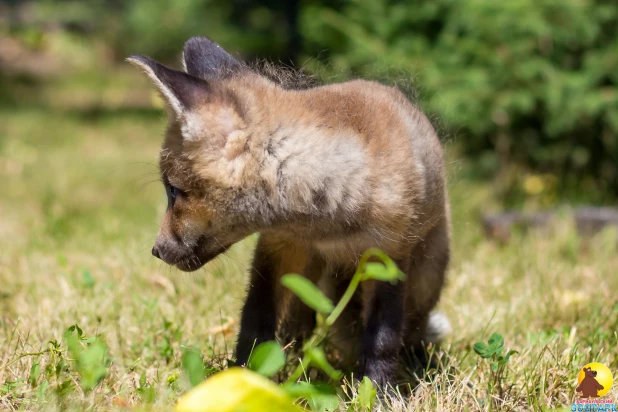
322, 174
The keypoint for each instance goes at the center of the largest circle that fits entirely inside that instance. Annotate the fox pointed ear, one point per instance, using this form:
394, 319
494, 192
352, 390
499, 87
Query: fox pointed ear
205, 59
180, 90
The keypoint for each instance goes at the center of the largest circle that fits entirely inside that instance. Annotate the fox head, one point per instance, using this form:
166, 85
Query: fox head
247, 152
207, 155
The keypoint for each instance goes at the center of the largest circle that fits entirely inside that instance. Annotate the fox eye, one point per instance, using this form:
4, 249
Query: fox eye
172, 193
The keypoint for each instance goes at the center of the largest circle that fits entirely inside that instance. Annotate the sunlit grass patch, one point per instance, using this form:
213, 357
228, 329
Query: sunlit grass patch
79, 209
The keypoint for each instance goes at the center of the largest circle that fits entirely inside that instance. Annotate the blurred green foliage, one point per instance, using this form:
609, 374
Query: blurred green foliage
159, 28
523, 87
532, 83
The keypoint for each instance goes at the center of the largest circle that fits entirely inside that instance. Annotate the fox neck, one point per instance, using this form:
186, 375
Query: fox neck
300, 171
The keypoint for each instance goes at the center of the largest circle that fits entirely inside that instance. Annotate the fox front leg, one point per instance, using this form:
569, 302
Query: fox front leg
259, 314
381, 342
265, 304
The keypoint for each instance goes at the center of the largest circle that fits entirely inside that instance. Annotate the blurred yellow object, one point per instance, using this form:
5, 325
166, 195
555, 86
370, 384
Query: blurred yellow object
533, 185
236, 389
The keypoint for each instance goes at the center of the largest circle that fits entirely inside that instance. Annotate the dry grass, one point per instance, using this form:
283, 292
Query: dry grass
79, 207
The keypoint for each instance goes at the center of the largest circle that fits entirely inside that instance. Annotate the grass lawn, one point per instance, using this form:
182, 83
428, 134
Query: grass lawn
79, 207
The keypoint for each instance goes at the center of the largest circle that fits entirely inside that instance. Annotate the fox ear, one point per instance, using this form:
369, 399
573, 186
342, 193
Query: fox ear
205, 59
181, 90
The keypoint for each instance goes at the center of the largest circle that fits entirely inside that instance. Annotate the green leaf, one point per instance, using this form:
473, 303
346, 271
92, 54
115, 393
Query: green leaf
89, 340
306, 389
90, 362
72, 329
391, 271
392, 268
35, 372
267, 359
193, 366
308, 293
496, 343
142, 380
42, 389
323, 403
61, 366
509, 354
378, 271
318, 358
145, 391
65, 388
88, 280
9, 386
366, 394
171, 379
481, 349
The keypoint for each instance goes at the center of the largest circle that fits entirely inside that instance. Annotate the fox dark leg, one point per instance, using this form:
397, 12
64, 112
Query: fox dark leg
382, 338
266, 300
426, 274
259, 314
345, 333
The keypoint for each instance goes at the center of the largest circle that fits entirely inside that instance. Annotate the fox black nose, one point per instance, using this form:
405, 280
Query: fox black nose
155, 252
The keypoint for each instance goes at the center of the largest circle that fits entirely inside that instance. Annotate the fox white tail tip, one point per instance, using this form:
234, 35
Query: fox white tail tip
438, 327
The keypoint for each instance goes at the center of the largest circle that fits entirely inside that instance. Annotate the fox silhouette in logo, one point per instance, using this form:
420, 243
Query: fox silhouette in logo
589, 386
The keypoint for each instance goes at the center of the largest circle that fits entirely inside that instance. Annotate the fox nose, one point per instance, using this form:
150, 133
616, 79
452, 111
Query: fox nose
155, 252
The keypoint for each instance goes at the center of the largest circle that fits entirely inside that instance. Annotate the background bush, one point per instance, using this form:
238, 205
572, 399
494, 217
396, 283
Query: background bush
524, 83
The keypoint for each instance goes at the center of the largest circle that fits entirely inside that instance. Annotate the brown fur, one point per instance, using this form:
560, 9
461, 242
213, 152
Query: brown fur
322, 174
